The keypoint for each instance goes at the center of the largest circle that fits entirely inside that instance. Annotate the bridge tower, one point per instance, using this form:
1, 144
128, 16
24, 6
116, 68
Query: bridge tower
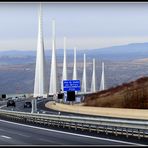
64, 74
93, 83
75, 66
53, 72
102, 84
84, 76
39, 83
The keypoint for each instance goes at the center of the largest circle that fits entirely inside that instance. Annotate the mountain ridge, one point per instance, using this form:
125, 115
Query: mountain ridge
121, 52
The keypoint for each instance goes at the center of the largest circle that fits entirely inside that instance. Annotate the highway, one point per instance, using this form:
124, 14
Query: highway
19, 134
40, 107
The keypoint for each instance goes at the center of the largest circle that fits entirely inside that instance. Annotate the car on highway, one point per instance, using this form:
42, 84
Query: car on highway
27, 104
15, 98
11, 103
39, 98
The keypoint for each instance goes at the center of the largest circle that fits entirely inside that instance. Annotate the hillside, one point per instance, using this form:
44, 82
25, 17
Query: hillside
128, 95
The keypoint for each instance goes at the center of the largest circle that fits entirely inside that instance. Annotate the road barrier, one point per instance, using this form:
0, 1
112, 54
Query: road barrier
127, 127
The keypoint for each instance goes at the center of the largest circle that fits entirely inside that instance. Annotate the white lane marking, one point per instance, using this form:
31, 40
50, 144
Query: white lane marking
74, 134
15, 133
5, 137
2, 106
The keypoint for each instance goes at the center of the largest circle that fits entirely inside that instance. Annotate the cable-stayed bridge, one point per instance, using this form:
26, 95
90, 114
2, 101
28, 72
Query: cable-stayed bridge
40, 71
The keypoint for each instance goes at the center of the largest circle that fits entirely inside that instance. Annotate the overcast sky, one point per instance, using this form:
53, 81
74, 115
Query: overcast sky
86, 25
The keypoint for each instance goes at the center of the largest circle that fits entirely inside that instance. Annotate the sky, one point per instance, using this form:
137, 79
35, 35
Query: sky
86, 25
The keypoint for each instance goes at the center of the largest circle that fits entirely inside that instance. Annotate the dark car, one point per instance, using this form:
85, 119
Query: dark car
11, 103
28, 105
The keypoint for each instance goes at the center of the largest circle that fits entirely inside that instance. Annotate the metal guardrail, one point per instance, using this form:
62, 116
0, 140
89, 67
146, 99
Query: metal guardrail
125, 127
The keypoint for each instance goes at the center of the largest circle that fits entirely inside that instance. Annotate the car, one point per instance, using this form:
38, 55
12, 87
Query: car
39, 98
11, 103
15, 98
22, 97
28, 104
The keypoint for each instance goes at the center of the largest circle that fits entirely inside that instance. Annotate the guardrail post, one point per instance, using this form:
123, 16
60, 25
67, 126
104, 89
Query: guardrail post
138, 133
58, 123
82, 126
112, 130
127, 132
63, 124
89, 128
53, 123
48, 122
35, 120
132, 132
143, 133
116, 131
106, 131
122, 131
98, 129
25, 120
75, 126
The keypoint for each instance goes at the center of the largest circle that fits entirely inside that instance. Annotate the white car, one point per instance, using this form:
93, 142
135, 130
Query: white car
14, 98
39, 98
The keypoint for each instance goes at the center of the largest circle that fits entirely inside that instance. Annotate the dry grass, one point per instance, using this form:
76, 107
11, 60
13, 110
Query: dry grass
132, 95
129, 100
102, 111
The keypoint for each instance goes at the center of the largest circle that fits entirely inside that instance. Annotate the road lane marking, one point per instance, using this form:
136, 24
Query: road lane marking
15, 133
5, 137
74, 134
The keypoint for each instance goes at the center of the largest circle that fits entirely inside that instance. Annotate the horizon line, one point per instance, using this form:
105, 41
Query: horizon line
73, 47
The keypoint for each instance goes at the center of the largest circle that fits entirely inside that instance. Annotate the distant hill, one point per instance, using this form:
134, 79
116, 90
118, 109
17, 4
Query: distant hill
17, 53
122, 52
32, 53
128, 95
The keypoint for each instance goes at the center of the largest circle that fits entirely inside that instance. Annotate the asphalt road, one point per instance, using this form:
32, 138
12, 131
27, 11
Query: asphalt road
19, 106
10, 129
19, 134
40, 107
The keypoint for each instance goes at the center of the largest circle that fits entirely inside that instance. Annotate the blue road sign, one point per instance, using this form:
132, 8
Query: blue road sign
71, 85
